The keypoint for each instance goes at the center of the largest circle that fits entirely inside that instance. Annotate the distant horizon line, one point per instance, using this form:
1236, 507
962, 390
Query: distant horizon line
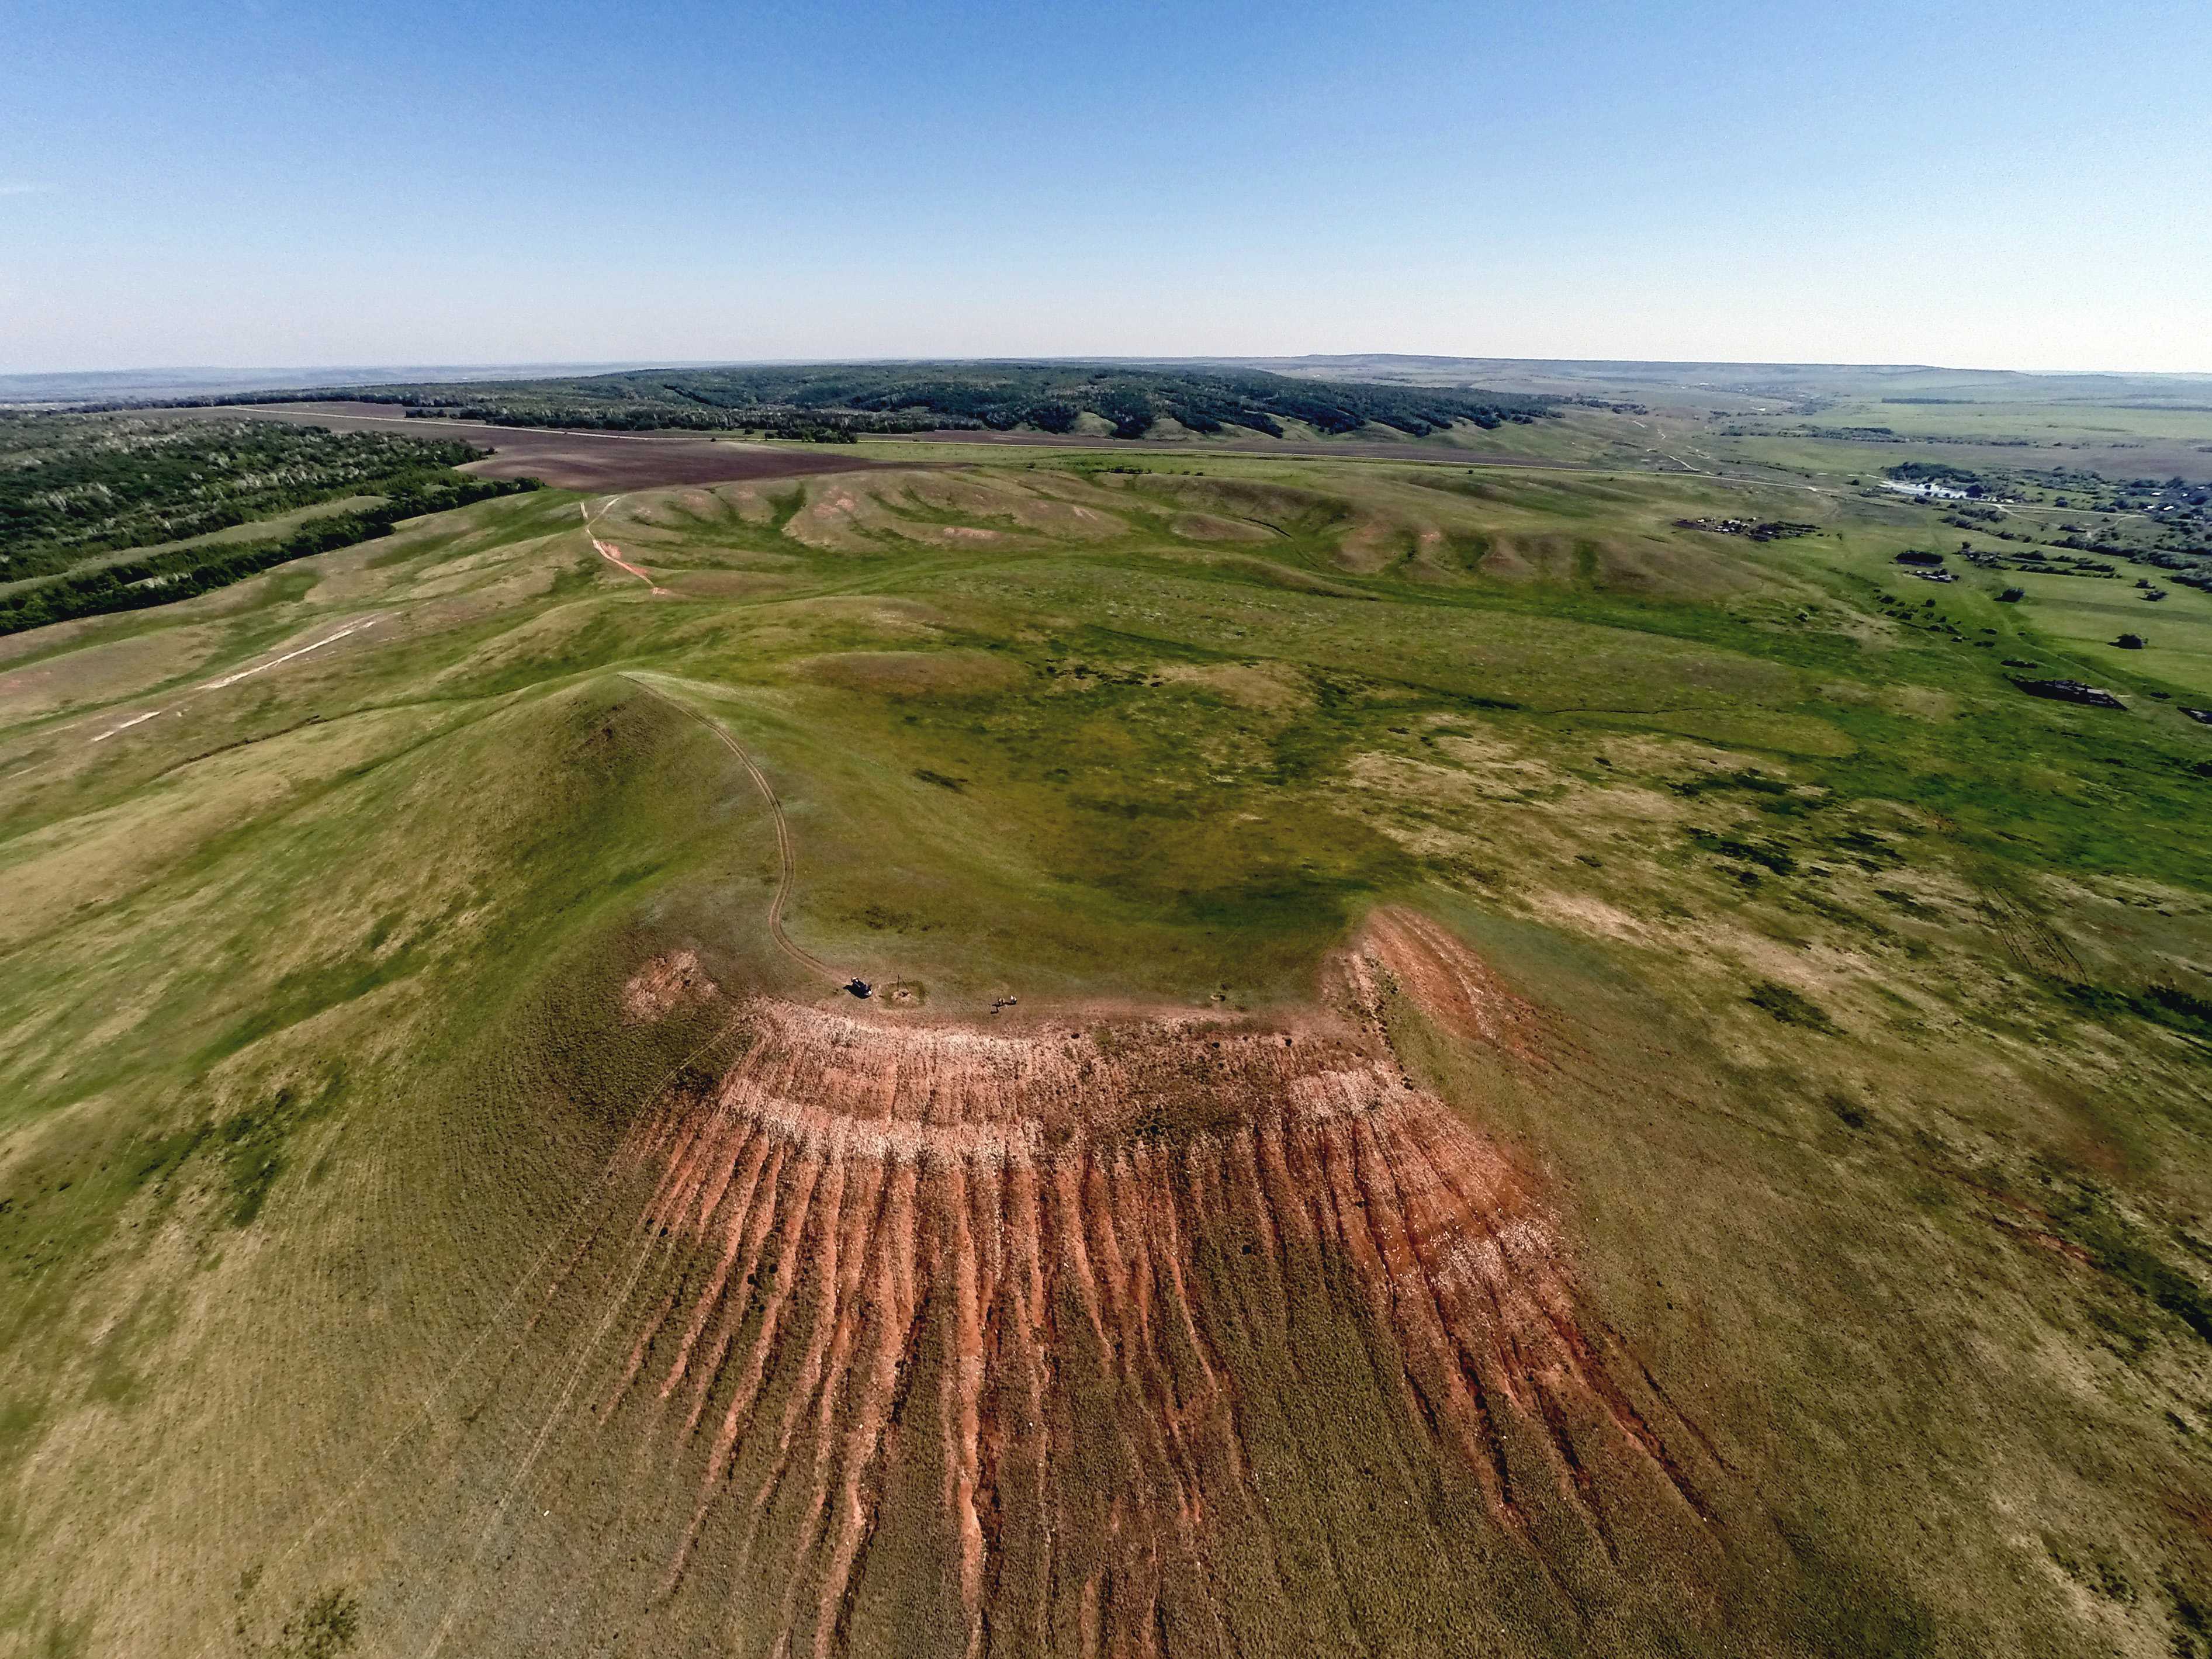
311, 374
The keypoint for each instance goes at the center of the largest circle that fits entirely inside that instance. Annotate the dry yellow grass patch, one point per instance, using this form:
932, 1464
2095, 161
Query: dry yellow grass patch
908, 619
1271, 688
1921, 702
102, 673
1370, 547
753, 503
913, 673
1671, 568
1522, 557
102, 857
1432, 560
665, 984
1591, 917
1207, 527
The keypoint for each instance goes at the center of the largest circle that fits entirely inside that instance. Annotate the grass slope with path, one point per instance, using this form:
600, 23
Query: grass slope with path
392, 975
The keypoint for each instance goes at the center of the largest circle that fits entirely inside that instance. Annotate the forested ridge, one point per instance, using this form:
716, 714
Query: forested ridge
72, 485
835, 400
187, 571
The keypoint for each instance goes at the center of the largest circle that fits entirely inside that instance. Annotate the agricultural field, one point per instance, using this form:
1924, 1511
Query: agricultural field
1456, 1056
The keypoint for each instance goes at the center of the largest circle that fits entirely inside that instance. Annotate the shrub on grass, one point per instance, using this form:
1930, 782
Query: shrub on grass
1786, 1006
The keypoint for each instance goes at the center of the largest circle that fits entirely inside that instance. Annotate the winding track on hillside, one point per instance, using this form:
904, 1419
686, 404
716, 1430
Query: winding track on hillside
785, 850
612, 554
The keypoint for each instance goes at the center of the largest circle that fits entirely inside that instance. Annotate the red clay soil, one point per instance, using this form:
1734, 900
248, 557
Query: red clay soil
594, 461
1055, 1340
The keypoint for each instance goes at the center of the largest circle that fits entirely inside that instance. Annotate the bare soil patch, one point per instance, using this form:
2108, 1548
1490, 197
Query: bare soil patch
665, 984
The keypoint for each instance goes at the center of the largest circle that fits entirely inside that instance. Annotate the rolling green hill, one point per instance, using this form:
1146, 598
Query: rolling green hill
1454, 1061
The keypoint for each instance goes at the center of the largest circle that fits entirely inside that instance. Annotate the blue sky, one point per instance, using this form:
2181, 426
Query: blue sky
264, 182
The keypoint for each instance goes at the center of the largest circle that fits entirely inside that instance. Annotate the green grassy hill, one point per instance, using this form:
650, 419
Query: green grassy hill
1573, 1083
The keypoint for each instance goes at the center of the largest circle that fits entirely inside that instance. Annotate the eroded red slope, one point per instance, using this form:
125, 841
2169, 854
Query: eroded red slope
1130, 1337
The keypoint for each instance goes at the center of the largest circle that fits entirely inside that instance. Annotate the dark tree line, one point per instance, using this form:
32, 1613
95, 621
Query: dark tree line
164, 578
838, 399
73, 485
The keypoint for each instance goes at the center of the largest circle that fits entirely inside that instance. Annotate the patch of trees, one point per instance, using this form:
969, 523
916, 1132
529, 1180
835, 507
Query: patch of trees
1935, 472
2076, 489
834, 425
1771, 530
997, 396
188, 572
1876, 435
72, 485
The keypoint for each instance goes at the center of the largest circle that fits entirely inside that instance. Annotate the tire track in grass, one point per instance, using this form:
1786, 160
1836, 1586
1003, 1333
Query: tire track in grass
678, 1187
567, 1231
180, 709
416, 1419
465, 1597
785, 850
263, 668
691, 1175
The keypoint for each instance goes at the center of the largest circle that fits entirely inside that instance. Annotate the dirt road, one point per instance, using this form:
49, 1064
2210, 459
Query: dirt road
612, 554
785, 851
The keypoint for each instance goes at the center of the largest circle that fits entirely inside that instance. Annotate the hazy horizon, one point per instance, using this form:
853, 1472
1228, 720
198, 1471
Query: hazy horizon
313, 375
